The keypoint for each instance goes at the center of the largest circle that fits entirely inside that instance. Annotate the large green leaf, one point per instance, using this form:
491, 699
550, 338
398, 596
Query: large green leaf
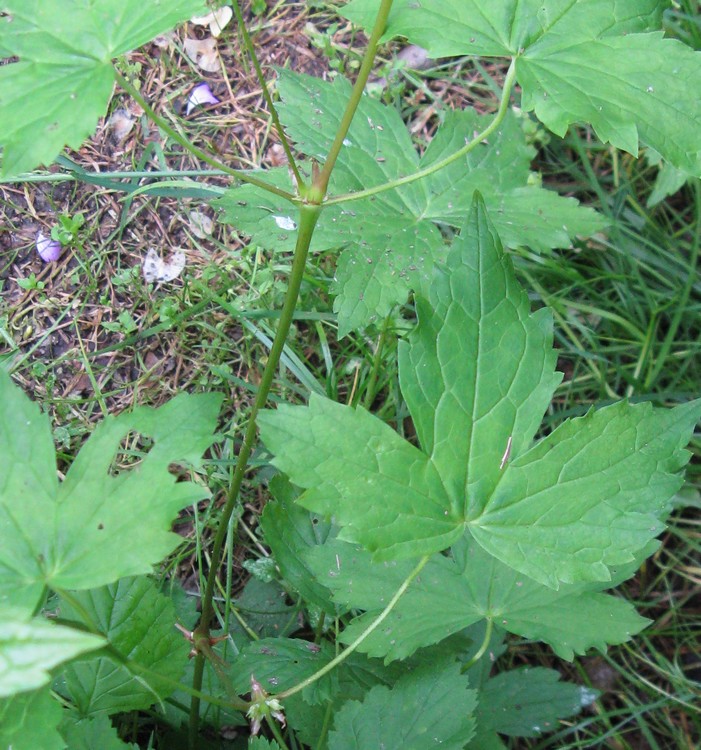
430, 707
453, 593
391, 240
90, 734
29, 721
279, 663
29, 648
399, 505
541, 699
61, 85
289, 530
100, 523
477, 375
139, 624
598, 62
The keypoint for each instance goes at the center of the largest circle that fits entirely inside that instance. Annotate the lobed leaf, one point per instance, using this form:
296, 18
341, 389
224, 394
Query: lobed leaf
29, 648
99, 524
55, 94
541, 699
289, 530
89, 734
29, 721
452, 594
280, 663
602, 62
399, 506
477, 375
431, 706
391, 241
139, 623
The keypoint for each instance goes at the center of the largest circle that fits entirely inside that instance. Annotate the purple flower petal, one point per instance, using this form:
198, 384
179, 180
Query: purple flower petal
48, 249
201, 94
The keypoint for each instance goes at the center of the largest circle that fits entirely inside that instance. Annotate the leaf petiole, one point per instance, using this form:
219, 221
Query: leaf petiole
499, 116
353, 646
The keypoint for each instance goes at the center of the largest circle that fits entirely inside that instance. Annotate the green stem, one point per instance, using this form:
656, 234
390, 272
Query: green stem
194, 150
482, 648
266, 95
509, 82
308, 219
353, 646
322, 182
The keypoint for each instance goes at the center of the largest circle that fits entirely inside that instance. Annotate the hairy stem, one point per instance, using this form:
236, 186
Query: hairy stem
322, 182
194, 150
308, 219
353, 646
459, 154
310, 210
266, 95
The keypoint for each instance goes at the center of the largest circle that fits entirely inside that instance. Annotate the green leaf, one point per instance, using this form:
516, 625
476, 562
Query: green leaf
590, 495
432, 706
28, 721
261, 743
391, 240
64, 78
99, 524
600, 62
139, 624
466, 408
263, 607
504, 27
399, 505
289, 530
280, 663
92, 733
477, 376
452, 594
29, 648
540, 697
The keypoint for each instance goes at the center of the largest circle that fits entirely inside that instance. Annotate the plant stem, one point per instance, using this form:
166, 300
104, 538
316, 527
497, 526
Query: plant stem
308, 218
493, 125
194, 150
248, 44
353, 646
481, 649
322, 182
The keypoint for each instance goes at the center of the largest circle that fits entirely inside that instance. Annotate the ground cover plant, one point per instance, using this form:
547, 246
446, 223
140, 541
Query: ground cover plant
416, 549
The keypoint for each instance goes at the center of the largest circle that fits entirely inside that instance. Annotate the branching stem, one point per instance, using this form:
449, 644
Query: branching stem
509, 82
378, 30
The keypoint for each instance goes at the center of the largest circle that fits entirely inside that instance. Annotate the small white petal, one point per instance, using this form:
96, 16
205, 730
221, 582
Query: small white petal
285, 222
200, 224
216, 20
157, 270
203, 52
48, 249
201, 94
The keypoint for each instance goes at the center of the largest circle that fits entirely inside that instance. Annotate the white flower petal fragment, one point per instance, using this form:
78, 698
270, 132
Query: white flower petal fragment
201, 94
285, 222
157, 270
203, 52
49, 250
216, 20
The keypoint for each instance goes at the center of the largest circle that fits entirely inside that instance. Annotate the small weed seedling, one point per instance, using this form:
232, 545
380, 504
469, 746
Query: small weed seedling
409, 561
